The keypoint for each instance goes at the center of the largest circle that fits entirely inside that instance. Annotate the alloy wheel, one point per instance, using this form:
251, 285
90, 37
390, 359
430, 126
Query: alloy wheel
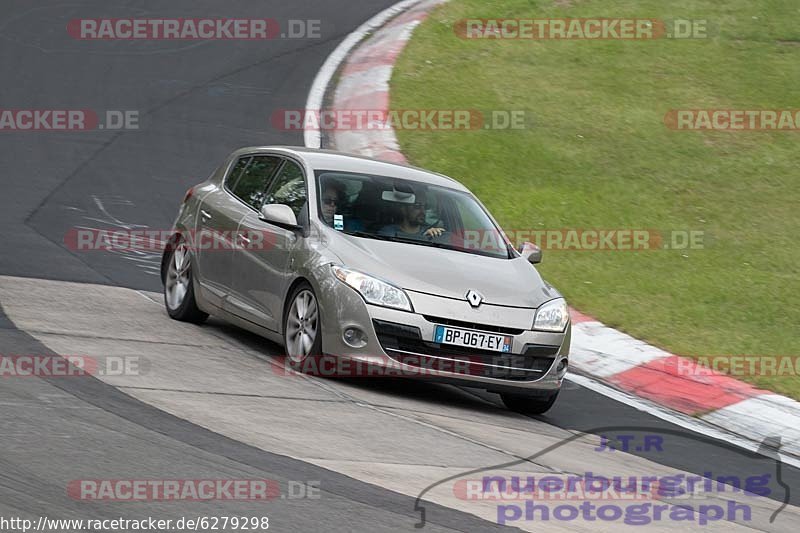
301, 326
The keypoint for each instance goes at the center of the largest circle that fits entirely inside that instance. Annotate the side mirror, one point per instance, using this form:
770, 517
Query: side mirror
531, 252
280, 215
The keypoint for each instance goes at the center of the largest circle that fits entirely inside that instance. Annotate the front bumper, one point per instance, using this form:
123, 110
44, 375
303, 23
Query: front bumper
401, 343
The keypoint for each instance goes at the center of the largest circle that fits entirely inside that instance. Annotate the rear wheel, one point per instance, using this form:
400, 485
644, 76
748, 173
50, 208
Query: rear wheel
302, 331
179, 286
529, 405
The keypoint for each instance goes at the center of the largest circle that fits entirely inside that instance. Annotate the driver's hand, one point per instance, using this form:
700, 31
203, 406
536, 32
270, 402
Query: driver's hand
434, 232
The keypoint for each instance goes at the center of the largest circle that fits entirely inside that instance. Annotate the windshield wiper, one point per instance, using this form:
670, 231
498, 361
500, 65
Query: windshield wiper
394, 238
424, 242
446, 246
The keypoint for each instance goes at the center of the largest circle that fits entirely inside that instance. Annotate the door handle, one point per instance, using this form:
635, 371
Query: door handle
206, 216
244, 239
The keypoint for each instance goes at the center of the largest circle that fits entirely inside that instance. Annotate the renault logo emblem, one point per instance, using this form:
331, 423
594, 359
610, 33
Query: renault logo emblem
474, 298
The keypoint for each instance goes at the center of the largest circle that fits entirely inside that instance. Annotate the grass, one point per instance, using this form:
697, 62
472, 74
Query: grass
598, 155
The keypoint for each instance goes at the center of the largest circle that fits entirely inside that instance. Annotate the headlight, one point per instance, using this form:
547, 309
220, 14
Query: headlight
374, 290
552, 316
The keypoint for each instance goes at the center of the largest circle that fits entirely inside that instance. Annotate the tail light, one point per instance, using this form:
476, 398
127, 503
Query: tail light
189, 194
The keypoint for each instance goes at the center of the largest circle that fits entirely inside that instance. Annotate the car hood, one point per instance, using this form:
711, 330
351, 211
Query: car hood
448, 273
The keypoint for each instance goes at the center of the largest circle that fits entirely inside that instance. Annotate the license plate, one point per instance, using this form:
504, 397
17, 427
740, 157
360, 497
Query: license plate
472, 339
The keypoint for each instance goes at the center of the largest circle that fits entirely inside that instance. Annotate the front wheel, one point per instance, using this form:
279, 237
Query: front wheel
302, 328
529, 405
179, 286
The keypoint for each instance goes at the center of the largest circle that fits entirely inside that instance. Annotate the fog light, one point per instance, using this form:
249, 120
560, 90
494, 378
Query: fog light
354, 337
562, 366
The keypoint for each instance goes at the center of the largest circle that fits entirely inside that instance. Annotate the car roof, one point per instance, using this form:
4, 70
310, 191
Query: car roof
343, 162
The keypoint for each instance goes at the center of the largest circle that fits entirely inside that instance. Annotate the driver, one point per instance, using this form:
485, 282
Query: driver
412, 223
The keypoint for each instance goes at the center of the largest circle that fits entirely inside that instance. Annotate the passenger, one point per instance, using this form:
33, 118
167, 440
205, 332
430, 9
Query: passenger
331, 198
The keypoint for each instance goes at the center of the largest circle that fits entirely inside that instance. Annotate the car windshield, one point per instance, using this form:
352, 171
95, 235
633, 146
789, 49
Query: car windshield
409, 212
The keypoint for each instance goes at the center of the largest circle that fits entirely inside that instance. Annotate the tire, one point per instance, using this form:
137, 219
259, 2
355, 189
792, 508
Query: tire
302, 330
529, 405
179, 285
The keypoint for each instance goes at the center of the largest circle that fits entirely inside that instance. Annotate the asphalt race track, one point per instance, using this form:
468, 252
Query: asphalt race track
212, 401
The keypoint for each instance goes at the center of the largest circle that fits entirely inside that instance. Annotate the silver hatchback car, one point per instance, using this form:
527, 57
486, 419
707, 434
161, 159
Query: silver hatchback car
390, 269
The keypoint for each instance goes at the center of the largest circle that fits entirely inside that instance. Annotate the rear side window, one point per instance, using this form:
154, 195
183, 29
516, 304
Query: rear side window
289, 187
254, 177
236, 172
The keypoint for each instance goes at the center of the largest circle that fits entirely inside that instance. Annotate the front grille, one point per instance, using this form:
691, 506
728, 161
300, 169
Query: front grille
406, 345
472, 325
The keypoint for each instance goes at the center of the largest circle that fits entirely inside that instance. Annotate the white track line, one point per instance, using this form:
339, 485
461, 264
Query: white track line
312, 137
